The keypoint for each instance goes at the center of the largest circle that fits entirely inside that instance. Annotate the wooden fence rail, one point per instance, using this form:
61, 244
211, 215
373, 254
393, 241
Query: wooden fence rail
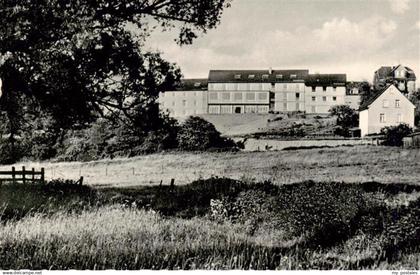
23, 176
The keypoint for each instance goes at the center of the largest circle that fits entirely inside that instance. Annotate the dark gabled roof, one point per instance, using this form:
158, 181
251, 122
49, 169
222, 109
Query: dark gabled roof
229, 76
371, 99
326, 80
384, 71
239, 76
192, 84
286, 75
387, 71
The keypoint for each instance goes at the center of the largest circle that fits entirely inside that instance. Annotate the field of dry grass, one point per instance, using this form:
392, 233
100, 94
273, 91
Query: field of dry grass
349, 164
243, 124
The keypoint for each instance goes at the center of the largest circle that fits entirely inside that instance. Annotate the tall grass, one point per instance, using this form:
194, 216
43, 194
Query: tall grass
300, 226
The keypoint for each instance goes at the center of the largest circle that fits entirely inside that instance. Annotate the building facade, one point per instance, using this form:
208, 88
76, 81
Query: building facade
190, 98
259, 91
238, 92
324, 91
402, 77
388, 107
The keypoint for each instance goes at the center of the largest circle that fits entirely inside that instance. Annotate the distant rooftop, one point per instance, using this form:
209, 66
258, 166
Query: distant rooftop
326, 80
192, 84
268, 76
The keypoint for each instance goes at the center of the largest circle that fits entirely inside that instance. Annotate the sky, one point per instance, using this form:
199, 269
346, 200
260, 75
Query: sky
355, 37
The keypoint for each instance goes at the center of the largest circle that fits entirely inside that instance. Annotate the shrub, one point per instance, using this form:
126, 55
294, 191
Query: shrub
346, 116
197, 134
342, 131
395, 134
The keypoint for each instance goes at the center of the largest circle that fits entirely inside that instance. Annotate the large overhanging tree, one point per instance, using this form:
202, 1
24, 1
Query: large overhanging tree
80, 59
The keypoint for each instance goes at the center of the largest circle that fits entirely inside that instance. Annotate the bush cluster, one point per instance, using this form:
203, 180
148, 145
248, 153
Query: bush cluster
44, 139
395, 134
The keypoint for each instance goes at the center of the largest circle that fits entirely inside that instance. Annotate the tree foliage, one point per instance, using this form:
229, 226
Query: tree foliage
395, 134
197, 134
346, 116
82, 57
80, 60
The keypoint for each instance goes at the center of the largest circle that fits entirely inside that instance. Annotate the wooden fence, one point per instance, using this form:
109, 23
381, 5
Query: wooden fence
24, 176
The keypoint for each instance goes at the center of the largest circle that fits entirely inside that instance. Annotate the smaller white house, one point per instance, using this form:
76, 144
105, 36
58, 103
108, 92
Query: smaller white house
388, 107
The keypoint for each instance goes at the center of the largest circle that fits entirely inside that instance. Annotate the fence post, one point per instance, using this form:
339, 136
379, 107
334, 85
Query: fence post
81, 180
13, 174
23, 175
33, 175
172, 187
42, 175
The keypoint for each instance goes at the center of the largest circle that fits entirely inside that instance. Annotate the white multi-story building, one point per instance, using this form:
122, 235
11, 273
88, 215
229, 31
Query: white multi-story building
322, 91
238, 92
258, 91
189, 99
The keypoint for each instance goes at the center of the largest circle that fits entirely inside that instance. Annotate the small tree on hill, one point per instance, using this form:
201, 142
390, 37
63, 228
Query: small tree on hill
197, 134
395, 134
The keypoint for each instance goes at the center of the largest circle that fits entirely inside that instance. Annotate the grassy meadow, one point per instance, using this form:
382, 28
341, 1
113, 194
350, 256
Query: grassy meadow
348, 164
342, 208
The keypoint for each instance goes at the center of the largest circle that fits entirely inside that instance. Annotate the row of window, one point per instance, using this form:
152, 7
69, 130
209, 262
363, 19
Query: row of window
324, 98
177, 94
239, 86
264, 76
183, 103
237, 96
382, 118
324, 88
238, 109
385, 103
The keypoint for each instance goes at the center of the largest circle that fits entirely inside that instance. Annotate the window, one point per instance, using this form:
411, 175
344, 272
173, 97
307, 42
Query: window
218, 86
399, 118
292, 76
250, 96
213, 96
173, 103
397, 103
197, 84
279, 76
251, 76
226, 96
334, 98
313, 109
265, 76
262, 96
237, 96
237, 76
284, 86
255, 86
313, 88
297, 95
334, 89
195, 102
184, 102
382, 118
284, 106
324, 88
385, 103
324, 98
297, 106
242, 86
313, 98
230, 86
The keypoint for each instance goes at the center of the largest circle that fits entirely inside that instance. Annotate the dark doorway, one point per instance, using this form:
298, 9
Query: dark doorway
237, 110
